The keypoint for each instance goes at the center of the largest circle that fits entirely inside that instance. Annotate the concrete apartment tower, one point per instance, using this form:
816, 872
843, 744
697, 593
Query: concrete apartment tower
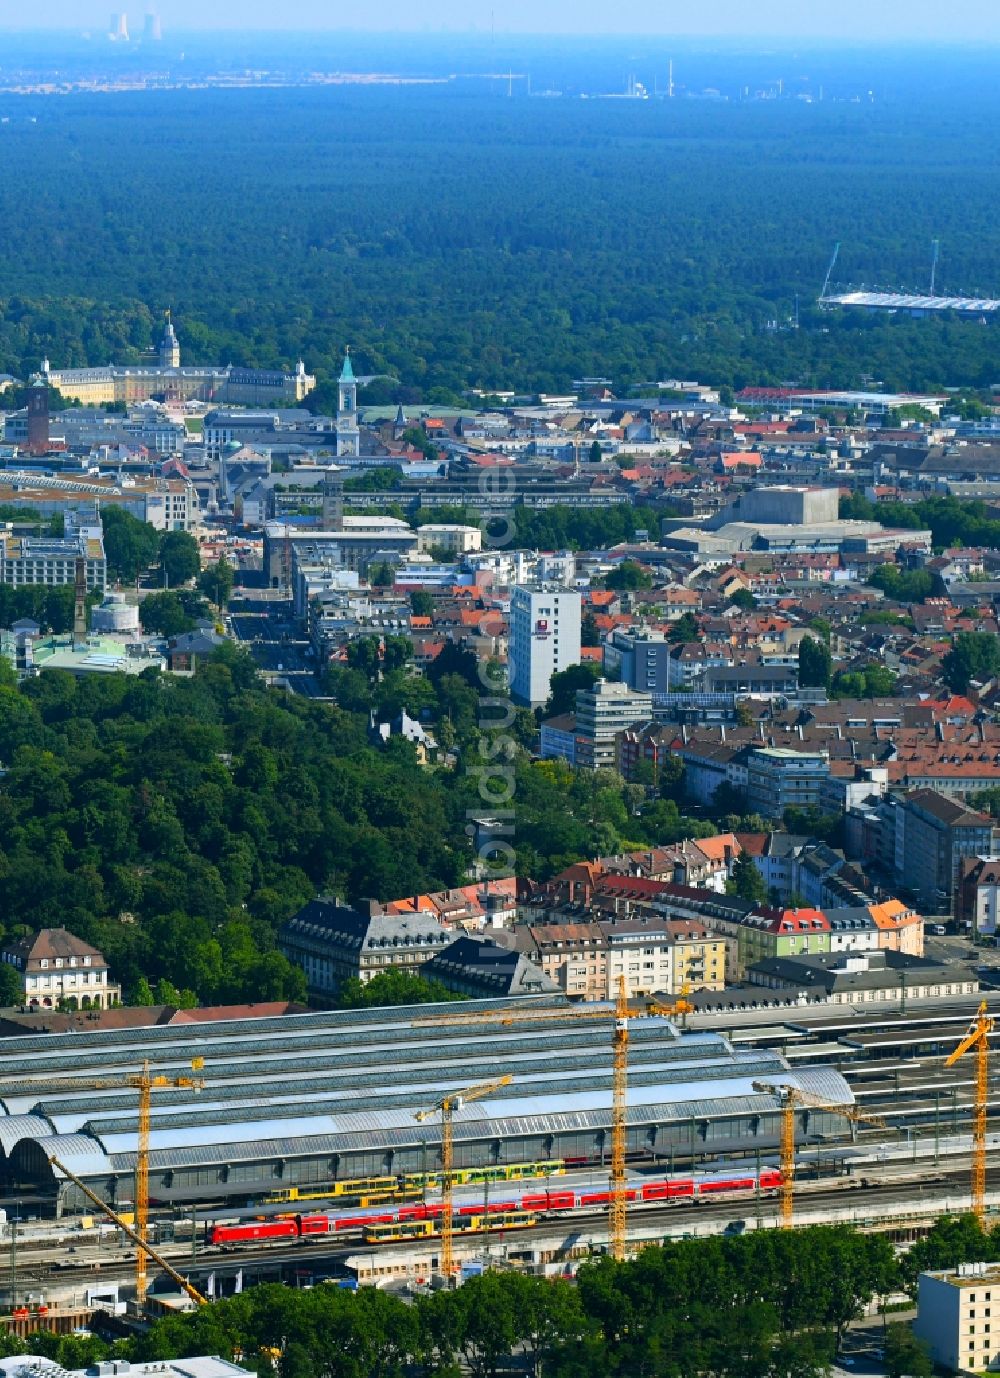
544, 638
348, 434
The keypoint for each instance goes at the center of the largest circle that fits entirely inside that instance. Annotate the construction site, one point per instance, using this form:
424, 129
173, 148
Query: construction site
401, 1142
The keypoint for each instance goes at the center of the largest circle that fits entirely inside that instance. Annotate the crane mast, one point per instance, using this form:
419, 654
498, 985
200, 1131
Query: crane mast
446, 1108
793, 1098
829, 271
978, 1040
621, 1013
618, 1227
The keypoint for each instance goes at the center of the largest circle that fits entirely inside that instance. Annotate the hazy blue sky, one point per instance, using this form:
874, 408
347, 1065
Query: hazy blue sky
847, 20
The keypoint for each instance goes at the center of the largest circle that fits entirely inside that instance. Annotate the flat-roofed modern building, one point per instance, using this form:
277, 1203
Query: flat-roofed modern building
544, 638
958, 1316
779, 778
602, 712
52, 560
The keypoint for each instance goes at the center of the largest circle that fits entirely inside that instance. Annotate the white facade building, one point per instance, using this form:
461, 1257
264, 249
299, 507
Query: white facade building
450, 536
51, 560
958, 1316
544, 638
55, 966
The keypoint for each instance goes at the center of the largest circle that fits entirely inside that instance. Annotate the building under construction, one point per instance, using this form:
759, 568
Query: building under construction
304, 1101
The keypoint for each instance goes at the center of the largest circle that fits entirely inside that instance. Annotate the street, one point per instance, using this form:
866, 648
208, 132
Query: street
262, 622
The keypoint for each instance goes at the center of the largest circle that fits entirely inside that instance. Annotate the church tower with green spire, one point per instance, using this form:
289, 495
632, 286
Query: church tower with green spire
348, 434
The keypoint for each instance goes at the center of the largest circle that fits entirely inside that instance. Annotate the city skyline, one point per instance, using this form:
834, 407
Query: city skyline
853, 21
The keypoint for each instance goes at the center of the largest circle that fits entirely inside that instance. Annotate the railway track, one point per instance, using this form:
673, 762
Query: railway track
904, 1192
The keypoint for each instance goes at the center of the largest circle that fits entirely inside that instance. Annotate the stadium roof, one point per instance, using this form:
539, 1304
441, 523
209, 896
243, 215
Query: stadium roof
912, 301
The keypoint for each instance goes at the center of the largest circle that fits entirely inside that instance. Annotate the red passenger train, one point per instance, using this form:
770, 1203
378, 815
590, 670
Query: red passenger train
538, 1202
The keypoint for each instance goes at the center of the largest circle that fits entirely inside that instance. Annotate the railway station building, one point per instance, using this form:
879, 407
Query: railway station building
307, 1100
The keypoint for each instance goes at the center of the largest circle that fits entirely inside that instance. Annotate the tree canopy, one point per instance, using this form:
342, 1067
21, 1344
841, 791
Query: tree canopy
814, 662
719, 1307
130, 545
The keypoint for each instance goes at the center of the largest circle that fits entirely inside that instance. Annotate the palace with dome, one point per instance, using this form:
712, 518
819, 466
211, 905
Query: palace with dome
167, 381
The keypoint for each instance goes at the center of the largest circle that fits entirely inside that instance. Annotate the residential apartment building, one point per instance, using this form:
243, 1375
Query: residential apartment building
57, 968
958, 1316
640, 952
979, 895
603, 712
934, 835
544, 638
333, 942
557, 739
779, 778
573, 955
708, 765
480, 969
642, 747
640, 660
654, 954
900, 928
778, 933
699, 957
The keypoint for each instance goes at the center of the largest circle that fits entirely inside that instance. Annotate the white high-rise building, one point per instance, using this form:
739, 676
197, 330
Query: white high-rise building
544, 638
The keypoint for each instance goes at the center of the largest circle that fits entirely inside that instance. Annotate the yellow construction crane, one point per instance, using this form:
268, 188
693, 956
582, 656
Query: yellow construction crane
145, 1083
446, 1108
621, 1012
794, 1098
978, 1038
680, 1008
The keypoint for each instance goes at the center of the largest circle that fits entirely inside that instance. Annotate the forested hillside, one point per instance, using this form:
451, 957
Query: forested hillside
455, 238
176, 822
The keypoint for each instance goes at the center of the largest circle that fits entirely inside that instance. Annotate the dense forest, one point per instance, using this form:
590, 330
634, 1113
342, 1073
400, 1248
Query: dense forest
455, 239
176, 822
